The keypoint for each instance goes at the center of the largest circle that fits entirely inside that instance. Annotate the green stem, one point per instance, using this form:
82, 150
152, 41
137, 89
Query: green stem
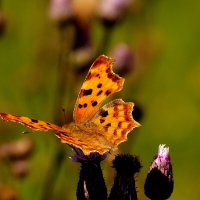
63, 72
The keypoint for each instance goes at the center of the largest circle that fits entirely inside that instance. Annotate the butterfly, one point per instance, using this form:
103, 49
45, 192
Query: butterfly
93, 129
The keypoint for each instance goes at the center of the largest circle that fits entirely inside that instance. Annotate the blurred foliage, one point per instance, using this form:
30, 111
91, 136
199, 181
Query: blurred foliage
165, 82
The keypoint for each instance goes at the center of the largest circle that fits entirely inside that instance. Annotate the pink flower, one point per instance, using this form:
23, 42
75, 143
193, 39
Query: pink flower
159, 182
113, 9
61, 10
123, 57
162, 161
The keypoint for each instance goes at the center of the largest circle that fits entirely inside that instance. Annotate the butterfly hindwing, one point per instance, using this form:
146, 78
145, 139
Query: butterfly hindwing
34, 124
86, 145
100, 83
116, 120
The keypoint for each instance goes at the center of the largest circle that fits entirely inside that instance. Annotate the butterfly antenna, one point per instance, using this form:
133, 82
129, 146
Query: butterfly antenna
65, 117
27, 132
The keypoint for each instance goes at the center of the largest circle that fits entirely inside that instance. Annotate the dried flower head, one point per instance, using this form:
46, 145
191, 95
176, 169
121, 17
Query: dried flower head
91, 183
159, 182
124, 184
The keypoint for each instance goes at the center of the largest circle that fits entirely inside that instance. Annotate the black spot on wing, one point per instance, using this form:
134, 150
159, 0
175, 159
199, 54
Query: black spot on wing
80, 106
34, 120
94, 103
108, 125
87, 92
99, 92
98, 76
85, 105
99, 85
102, 121
104, 113
107, 92
119, 124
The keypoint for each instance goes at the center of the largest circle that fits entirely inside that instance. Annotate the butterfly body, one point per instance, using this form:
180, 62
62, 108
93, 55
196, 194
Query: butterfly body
84, 131
85, 134
94, 129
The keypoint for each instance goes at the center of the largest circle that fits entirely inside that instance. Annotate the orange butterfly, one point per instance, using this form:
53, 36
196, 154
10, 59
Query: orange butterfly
93, 129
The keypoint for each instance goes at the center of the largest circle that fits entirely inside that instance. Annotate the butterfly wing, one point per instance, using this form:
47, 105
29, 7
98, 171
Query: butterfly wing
116, 120
100, 83
62, 133
86, 145
34, 124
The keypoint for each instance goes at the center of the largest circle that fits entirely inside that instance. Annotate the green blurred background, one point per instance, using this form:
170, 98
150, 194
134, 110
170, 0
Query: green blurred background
165, 83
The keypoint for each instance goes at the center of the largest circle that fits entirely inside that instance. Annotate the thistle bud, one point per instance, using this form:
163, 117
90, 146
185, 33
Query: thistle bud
20, 168
111, 11
124, 61
61, 10
159, 182
91, 183
124, 184
21, 148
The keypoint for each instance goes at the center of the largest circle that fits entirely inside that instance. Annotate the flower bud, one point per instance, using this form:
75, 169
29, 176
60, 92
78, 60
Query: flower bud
124, 184
21, 148
124, 61
91, 183
159, 182
111, 11
61, 10
20, 168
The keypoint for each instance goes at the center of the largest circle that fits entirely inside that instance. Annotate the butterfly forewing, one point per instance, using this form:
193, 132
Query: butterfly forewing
100, 83
34, 124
